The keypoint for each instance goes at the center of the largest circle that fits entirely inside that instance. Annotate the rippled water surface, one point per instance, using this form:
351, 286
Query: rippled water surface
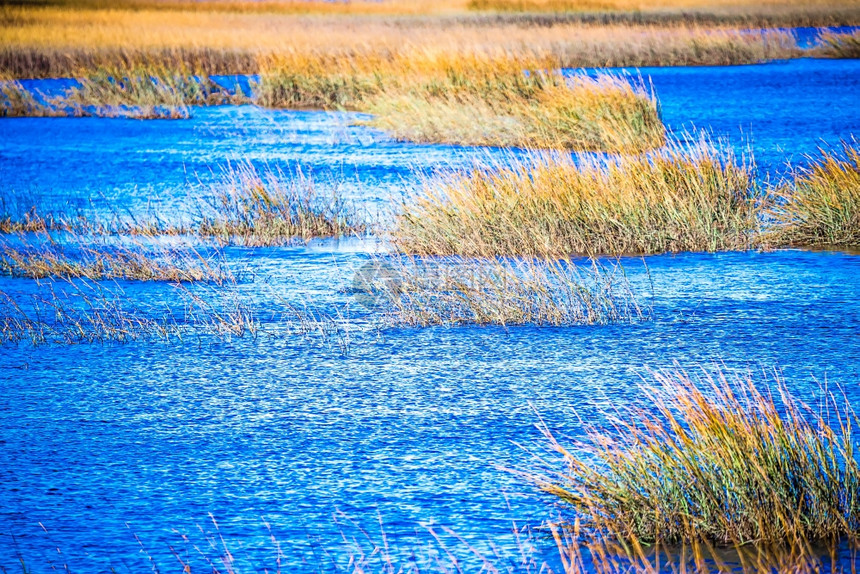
102, 443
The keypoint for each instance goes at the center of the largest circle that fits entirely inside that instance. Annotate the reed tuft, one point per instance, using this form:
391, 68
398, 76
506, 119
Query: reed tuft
821, 204
550, 205
265, 208
715, 462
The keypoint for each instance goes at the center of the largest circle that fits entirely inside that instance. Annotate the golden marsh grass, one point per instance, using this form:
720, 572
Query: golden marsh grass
138, 60
820, 205
472, 99
550, 205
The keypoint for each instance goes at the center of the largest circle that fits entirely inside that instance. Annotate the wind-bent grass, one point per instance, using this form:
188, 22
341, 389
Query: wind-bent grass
549, 205
473, 99
74, 257
821, 205
258, 209
840, 45
714, 462
455, 291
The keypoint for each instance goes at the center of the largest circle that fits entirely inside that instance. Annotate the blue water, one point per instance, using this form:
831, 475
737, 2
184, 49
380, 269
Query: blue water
102, 443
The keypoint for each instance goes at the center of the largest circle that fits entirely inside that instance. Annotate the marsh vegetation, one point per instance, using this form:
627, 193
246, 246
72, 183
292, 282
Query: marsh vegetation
820, 205
712, 461
519, 261
550, 205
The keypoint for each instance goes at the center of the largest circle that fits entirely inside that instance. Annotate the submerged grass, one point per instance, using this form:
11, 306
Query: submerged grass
421, 292
710, 463
821, 204
77, 312
73, 257
699, 199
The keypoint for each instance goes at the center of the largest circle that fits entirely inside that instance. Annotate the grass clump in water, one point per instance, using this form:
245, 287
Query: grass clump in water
473, 99
551, 205
821, 205
261, 208
716, 462
151, 92
421, 292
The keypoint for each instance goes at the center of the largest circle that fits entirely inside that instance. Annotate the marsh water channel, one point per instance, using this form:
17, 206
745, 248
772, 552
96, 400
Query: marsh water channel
121, 454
